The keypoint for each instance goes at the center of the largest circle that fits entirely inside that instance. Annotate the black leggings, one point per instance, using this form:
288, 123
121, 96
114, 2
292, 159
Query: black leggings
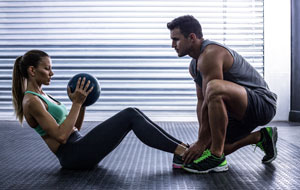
84, 152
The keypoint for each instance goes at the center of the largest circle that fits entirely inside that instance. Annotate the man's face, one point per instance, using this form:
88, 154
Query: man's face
181, 44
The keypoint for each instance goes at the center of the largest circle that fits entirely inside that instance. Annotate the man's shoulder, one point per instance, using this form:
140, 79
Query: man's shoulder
213, 54
214, 49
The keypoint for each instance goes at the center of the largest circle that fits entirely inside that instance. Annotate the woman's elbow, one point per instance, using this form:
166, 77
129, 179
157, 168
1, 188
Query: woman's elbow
62, 139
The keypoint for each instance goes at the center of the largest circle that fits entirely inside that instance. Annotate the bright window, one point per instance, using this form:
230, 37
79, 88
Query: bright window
126, 45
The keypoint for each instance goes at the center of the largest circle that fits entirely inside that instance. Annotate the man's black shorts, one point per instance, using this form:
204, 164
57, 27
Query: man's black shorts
259, 112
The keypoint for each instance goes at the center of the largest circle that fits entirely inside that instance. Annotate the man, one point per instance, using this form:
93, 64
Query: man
233, 100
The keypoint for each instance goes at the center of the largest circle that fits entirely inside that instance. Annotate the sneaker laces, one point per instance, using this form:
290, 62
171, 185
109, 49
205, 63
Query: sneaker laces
259, 145
205, 155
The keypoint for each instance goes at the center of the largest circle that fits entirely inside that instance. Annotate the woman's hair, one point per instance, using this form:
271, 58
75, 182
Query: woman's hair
187, 25
30, 58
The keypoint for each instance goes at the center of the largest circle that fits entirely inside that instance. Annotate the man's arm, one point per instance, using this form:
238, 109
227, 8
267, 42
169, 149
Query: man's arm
210, 64
204, 136
198, 147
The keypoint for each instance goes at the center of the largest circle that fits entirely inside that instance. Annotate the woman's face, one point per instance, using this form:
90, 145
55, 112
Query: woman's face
43, 72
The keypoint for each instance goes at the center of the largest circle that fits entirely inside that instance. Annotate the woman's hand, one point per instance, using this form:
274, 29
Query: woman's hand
81, 91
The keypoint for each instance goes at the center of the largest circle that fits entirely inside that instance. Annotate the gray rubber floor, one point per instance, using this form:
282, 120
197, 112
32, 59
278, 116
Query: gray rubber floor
26, 163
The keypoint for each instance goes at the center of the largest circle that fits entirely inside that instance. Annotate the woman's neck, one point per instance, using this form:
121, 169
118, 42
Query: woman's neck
34, 88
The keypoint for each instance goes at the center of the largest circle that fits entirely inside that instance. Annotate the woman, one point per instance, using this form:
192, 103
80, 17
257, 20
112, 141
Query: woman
59, 129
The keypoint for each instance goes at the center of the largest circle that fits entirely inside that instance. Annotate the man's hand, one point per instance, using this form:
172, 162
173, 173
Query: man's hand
194, 152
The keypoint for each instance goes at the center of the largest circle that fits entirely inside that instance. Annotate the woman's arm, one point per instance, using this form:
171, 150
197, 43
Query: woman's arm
80, 118
61, 132
38, 111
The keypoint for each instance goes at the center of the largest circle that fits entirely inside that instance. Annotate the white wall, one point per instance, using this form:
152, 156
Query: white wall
277, 35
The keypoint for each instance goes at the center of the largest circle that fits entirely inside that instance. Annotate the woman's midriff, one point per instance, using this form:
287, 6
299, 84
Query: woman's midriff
52, 143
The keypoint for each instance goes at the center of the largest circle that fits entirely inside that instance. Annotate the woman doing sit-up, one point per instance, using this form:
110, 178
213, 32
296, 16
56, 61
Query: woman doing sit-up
60, 128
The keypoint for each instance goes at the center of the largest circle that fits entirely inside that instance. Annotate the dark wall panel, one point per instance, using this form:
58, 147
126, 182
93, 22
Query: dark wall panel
295, 73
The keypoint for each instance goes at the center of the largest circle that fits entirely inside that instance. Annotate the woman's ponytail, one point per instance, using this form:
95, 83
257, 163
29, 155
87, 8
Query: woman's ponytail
18, 89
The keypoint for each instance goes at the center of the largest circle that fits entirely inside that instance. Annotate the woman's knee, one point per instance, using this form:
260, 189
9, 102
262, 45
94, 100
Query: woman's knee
130, 111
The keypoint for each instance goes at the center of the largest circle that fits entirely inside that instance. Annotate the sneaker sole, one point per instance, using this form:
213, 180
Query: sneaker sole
217, 169
177, 166
274, 141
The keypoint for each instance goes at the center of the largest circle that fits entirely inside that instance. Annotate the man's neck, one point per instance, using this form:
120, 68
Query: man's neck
196, 49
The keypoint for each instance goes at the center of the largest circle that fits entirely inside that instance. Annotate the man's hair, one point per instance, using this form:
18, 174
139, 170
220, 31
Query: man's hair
187, 25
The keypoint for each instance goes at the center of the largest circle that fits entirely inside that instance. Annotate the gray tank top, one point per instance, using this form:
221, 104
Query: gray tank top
241, 73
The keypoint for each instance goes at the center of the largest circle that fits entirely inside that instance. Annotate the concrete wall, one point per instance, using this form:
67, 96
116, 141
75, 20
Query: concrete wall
277, 35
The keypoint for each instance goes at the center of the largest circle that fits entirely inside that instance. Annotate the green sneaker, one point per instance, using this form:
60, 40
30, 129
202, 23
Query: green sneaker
268, 144
207, 163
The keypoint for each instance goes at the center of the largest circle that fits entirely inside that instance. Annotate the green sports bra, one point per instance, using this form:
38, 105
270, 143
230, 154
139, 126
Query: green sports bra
58, 111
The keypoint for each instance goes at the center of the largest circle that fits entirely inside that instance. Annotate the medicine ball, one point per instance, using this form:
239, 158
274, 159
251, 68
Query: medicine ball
94, 95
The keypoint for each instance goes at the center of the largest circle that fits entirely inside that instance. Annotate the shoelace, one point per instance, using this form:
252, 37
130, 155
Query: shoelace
205, 155
259, 144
